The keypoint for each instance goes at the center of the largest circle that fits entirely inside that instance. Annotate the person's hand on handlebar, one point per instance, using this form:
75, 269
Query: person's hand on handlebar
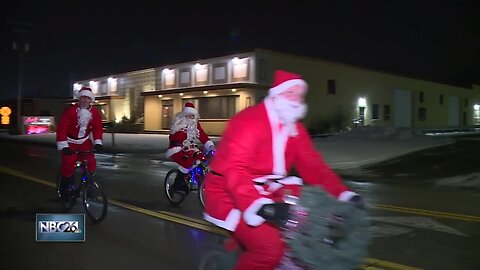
98, 148
276, 213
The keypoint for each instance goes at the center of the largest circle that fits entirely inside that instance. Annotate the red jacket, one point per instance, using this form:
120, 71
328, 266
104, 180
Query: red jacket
69, 129
251, 150
184, 151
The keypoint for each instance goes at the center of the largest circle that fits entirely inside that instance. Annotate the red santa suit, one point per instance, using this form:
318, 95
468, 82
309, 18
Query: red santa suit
256, 148
184, 133
75, 130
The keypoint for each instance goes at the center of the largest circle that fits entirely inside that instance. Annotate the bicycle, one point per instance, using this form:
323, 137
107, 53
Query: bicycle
91, 190
193, 181
334, 236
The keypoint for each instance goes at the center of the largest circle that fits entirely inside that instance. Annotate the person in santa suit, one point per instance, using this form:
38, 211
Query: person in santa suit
249, 173
185, 131
78, 125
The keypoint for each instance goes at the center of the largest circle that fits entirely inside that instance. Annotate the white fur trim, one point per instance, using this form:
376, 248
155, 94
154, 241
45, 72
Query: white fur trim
61, 145
77, 141
285, 85
209, 144
346, 196
274, 186
291, 180
250, 214
230, 223
183, 169
86, 93
264, 179
279, 139
98, 141
190, 110
172, 151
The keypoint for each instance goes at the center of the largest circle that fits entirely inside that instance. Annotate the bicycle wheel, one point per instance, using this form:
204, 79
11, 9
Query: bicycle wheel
67, 200
95, 200
201, 193
173, 197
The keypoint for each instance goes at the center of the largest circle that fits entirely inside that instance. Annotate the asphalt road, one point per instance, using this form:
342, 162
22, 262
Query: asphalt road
415, 226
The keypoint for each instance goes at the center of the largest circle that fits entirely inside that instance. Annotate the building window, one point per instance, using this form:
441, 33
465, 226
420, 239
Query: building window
422, 114
420, 97
331, 88
240, 70
441, 100
185, 77
214, 107
375, 109
386, 112
220, 73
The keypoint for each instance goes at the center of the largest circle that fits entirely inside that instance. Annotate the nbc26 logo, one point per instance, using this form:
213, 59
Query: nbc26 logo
60, 228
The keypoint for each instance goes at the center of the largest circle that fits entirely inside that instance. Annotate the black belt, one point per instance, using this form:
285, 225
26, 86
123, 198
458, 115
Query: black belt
216, 173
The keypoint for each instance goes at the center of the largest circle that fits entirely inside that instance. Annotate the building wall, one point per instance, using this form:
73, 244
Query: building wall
153, 113
376, 87
325, 109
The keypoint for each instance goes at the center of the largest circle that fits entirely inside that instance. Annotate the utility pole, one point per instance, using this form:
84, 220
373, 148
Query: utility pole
21, 46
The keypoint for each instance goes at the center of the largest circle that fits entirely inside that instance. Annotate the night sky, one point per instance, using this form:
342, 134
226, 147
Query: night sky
75, 40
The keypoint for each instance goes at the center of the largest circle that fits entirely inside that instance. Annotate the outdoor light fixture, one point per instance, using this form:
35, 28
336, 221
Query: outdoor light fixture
160, 95
234, 90
77, 86
205, 92
476, 107
362, 102
181, 94
111, 80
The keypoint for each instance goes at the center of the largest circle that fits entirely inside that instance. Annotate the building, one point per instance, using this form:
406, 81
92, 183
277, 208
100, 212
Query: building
340, 95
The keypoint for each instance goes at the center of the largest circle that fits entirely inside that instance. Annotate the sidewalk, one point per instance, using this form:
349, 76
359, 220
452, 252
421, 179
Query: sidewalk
342, 151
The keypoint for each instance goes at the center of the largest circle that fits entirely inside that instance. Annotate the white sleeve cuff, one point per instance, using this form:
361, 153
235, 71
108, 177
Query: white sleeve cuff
208, 144
98, 141
250, 214
346, 196
62, 144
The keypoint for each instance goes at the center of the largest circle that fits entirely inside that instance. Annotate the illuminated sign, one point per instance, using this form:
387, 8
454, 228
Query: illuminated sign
5, 113
60, 228
38, 124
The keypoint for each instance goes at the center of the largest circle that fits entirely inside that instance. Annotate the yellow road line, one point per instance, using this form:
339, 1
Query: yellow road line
373, 264
28, 177
422, 212
370, 264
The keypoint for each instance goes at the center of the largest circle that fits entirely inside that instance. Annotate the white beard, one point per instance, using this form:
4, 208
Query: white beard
288, 111
84, 117
182, 123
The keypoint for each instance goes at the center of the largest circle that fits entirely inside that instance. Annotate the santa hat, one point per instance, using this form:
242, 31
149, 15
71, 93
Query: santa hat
87, 92
282, 80
190, 108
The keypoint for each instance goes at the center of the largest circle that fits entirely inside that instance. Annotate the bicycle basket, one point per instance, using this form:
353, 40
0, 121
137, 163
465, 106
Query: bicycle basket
308, 244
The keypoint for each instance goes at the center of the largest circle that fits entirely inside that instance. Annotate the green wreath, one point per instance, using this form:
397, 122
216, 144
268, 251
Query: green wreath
309, 245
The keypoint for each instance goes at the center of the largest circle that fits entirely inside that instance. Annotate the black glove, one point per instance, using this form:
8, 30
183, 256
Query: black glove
357, 201
276, 213
67, 151
98, 148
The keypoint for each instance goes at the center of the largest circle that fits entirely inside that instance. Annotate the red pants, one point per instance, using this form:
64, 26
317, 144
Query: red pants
69, 161
263, 246
186, 159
